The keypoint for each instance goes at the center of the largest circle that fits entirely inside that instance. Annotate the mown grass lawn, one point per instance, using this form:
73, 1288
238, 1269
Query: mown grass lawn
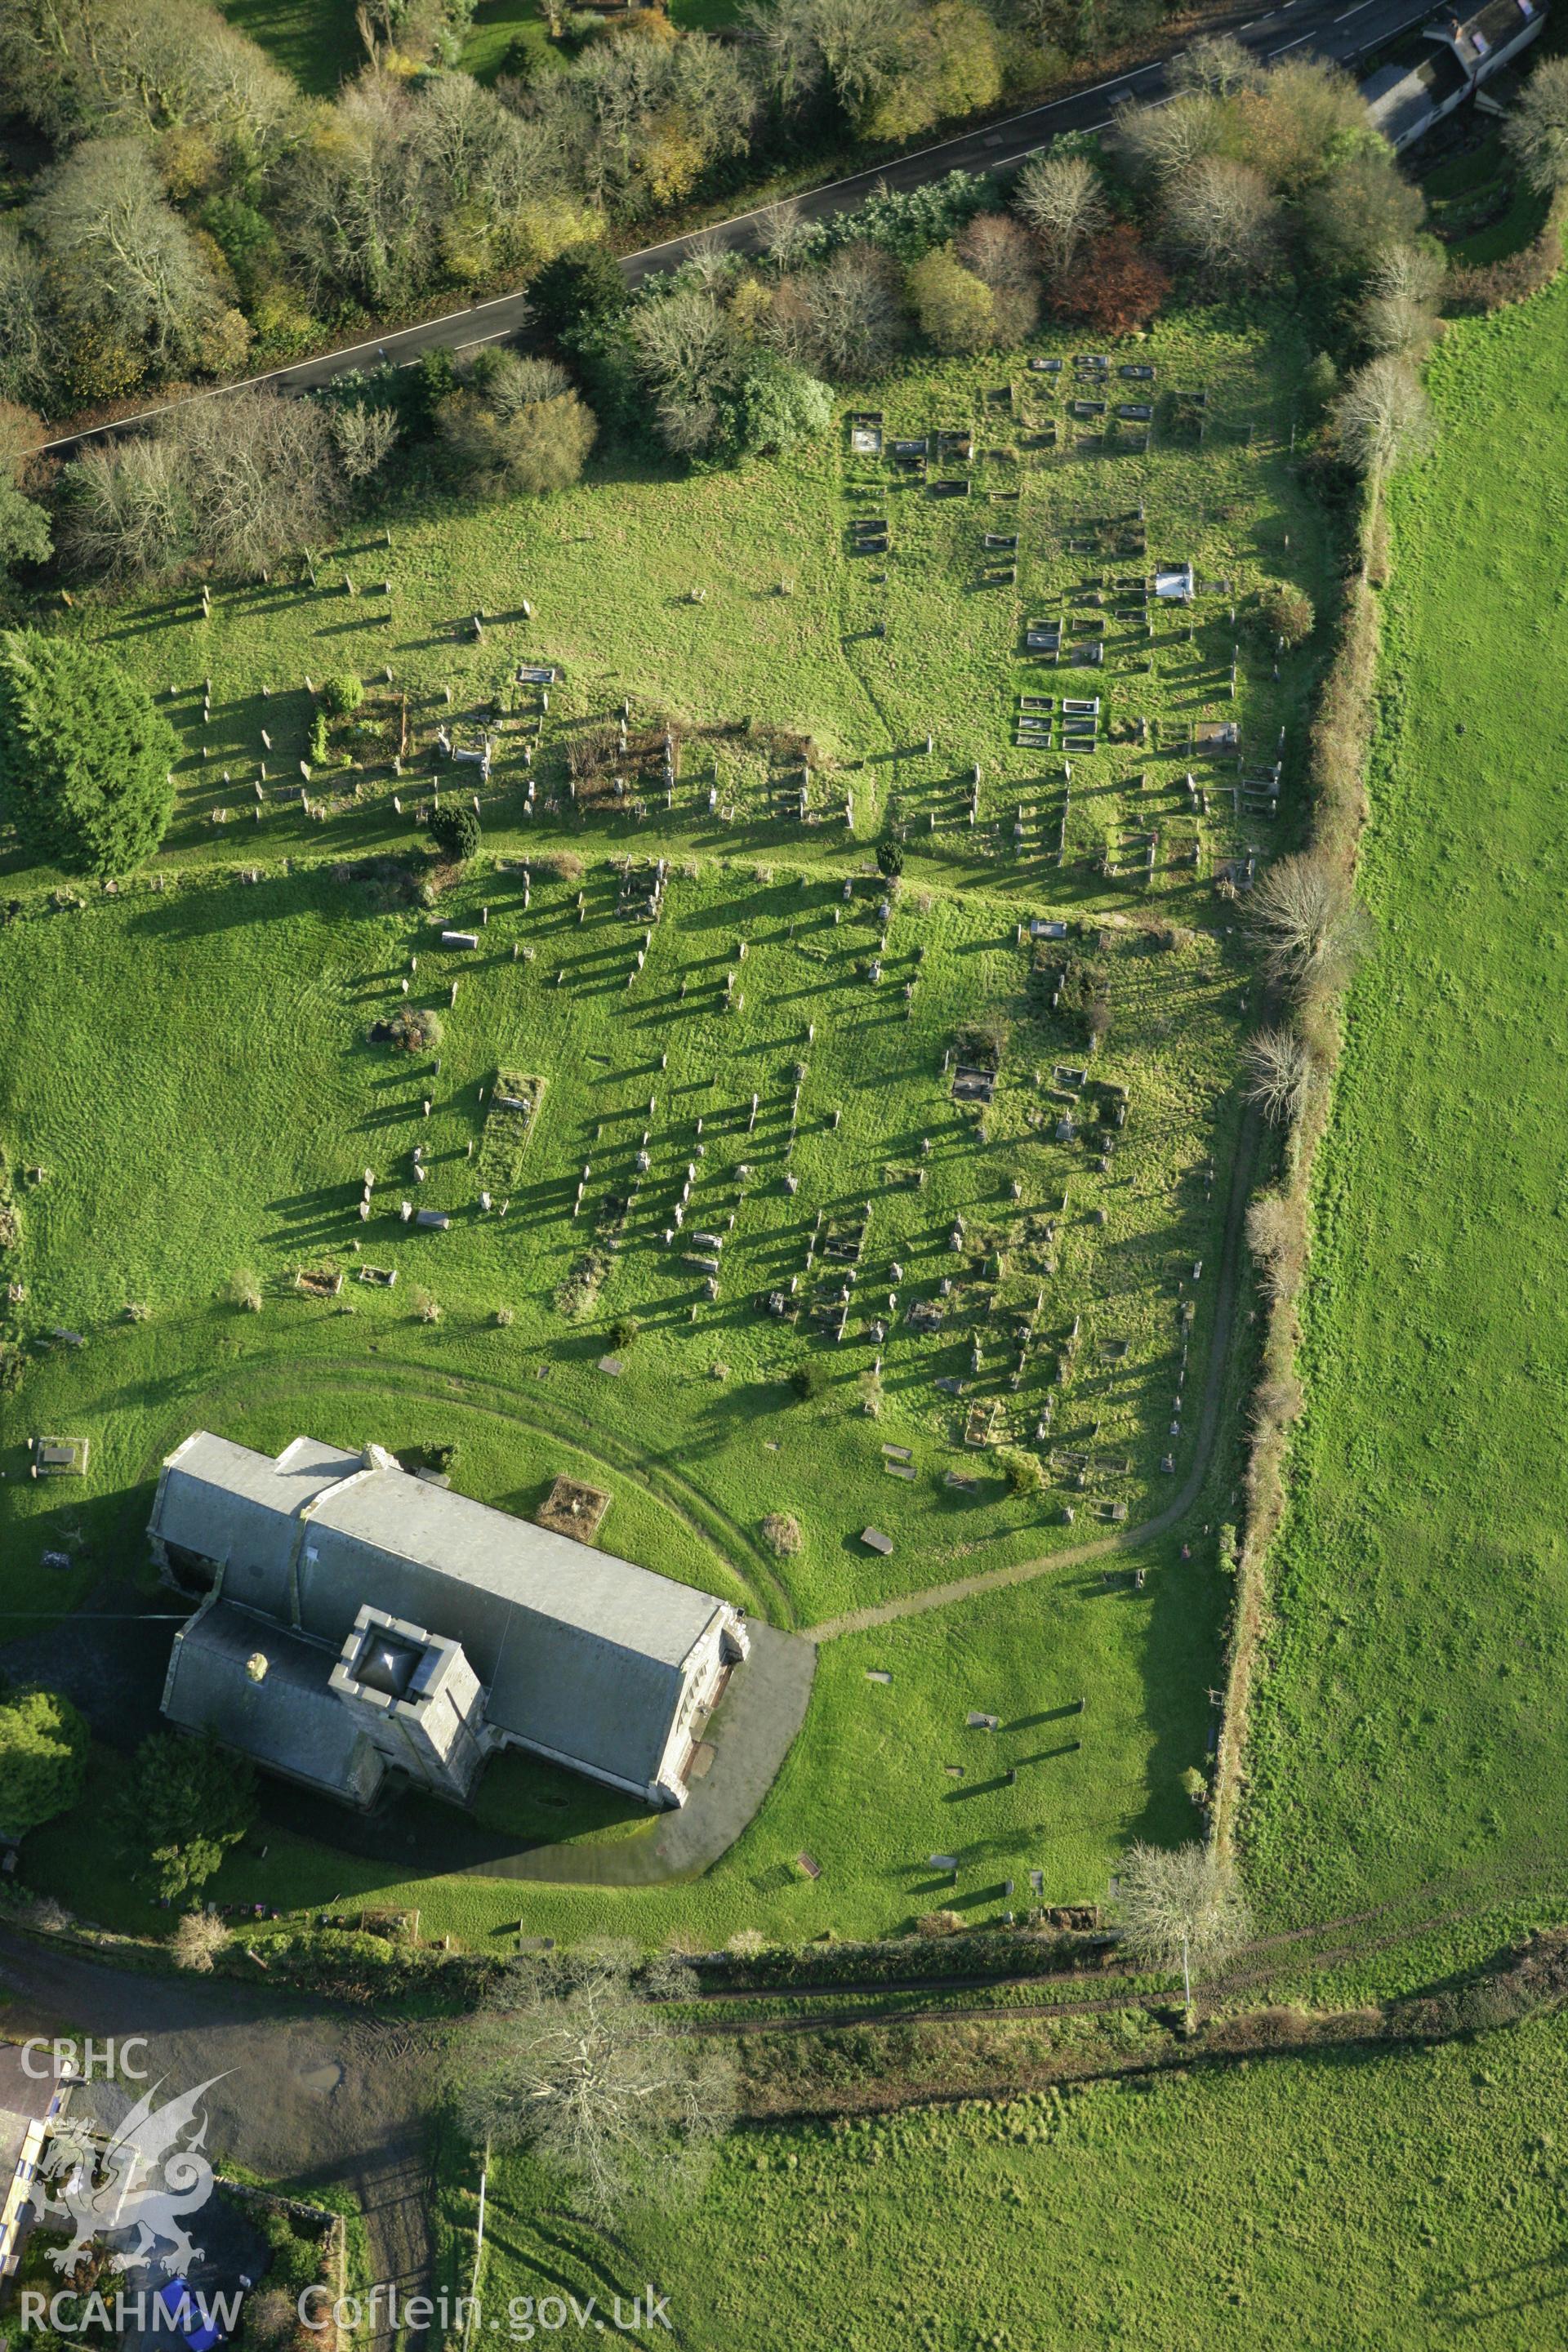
192, 1067
1410, 1725
1362, 2201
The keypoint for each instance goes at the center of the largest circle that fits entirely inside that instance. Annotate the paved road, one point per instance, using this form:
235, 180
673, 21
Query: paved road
1321, 28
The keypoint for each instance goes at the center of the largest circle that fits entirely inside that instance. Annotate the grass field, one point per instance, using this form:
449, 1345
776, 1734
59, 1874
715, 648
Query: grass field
318, 42
193, 1069
1357, 2201
1410, 1723
315, 40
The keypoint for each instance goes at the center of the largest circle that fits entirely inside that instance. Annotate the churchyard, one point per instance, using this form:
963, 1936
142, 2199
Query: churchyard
674, 1145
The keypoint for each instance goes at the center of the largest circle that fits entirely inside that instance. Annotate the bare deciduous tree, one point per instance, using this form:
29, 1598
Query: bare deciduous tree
1280, 1073
460, 130
366, 438
261, 475
581, 2060
89, 66
355, 199
1218, 63
1222, 215
1399, 311
235, 483
854, 47
1160, 144
1308, 920
856, 310
1062, 197
1004, 257
1395, 325
124, 512
511, 383
1181, 1904
1412, 273
709, 263
152, 66
119, 259
784, 234
1536, 132
637, 120
788, 326
687, 355
1382, 415
199, 1937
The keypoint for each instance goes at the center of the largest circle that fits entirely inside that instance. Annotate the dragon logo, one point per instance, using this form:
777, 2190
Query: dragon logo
141, 2178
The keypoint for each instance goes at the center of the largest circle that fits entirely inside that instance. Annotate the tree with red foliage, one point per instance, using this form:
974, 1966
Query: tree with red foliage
1114, 286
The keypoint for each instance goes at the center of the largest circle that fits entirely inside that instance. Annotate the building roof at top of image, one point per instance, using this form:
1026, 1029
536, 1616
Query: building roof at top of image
1479, 35
580, 1653
1405, 100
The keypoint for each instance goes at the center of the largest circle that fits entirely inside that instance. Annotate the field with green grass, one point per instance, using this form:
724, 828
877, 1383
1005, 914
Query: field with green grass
281, 986
508, 36
318, 41
751, 1153
315, 40
1363, 2199
1409, 1725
